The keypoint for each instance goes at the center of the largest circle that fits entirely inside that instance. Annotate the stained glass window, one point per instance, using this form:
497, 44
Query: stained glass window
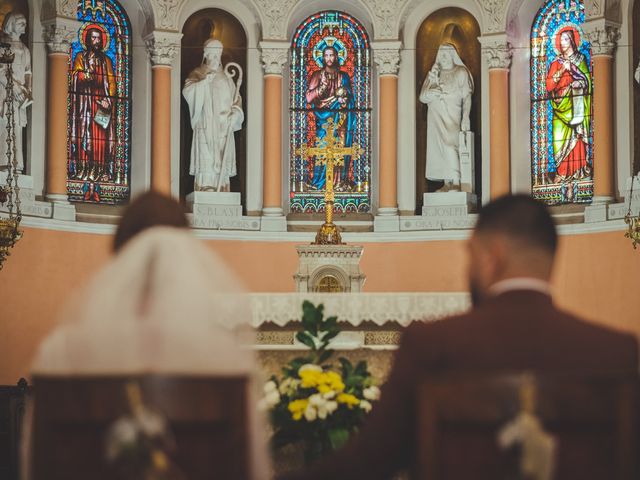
561, 114
330, 79
100, 105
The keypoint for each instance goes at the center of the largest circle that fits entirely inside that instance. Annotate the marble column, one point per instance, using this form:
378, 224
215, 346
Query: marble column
58, 39
603, 39
386, 56
162, 48
498, 57
274, 58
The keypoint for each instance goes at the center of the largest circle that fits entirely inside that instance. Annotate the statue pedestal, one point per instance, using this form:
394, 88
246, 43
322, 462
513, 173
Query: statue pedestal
219, 211
449, 204
213, 198
329, 268
29, 206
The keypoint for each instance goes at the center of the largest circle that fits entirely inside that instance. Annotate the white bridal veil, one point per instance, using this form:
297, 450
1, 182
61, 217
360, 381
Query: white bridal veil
164, 304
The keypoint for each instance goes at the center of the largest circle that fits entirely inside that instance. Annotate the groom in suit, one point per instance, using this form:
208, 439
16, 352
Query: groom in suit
513, 325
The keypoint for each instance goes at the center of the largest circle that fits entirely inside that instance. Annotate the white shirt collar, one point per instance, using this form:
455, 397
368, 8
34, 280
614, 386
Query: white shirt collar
521, 283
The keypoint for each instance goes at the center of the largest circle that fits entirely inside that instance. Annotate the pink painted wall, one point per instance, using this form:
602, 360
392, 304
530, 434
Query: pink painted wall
596, 276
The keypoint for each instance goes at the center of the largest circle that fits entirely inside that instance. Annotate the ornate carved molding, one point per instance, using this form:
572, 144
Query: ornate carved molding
166, 14
387, 58
609, 9
162, 47
494, 14
59, 8
274, 17
594, 8
603, 39
497, 53
386, 16
58, 38
274, 56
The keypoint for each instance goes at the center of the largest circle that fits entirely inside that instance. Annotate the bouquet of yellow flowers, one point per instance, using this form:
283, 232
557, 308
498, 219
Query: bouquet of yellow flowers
314, 402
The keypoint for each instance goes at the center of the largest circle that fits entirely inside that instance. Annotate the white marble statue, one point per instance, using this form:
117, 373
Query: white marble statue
637, 74
216, 112
447, 93
13, 27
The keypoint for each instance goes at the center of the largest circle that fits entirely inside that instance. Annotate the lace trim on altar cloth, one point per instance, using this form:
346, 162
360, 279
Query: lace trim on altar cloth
357, 308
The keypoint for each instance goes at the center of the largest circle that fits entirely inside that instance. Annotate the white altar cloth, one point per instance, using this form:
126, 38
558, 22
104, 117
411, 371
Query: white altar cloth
356, 308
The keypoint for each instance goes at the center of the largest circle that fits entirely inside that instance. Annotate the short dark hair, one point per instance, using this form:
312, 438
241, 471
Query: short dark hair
522, 218
151, 209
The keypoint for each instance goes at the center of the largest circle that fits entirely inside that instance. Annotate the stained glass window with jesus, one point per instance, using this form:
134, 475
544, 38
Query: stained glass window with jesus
330, 79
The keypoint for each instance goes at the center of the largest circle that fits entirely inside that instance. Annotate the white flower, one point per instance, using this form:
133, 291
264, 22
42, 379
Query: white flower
329, 395
273, 398
310, 413
284, 386
316, 400
151, 423
331, 406
270, 386
270, 400
365, 405
122, 434
322, 412
371, 393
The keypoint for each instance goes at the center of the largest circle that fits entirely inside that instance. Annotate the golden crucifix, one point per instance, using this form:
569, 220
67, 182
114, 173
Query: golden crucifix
330, 151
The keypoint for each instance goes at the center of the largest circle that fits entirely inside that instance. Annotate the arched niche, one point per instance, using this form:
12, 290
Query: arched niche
22, 7
329, 279
199, 27
458, 27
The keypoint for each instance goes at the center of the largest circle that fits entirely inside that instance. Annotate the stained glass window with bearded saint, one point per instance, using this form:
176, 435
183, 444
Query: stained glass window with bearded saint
561, 90
100, 105
330, 80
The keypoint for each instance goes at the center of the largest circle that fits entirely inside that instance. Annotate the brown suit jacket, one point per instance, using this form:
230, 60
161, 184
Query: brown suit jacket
517, 330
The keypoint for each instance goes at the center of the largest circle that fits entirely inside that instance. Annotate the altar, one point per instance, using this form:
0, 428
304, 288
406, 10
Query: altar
371, 323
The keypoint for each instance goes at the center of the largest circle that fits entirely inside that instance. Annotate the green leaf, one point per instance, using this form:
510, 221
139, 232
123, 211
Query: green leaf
353, 381
338, 437
347, 367
324, 356
361, 368
330, 323
329, 336
311, 317
306, 339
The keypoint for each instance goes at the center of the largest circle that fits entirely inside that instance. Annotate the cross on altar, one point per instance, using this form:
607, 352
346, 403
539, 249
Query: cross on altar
330, 151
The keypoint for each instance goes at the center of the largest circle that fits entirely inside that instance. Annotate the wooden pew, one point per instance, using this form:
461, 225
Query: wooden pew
593, 418
12, 408
207, 417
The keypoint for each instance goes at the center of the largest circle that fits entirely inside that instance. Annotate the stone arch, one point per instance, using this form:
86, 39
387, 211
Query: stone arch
329, 270
356, 8
413, 16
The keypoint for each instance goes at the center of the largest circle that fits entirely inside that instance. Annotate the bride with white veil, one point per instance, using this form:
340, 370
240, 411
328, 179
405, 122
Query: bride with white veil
164, 304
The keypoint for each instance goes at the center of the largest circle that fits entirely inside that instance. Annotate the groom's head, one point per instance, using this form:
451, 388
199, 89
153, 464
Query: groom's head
514, 237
